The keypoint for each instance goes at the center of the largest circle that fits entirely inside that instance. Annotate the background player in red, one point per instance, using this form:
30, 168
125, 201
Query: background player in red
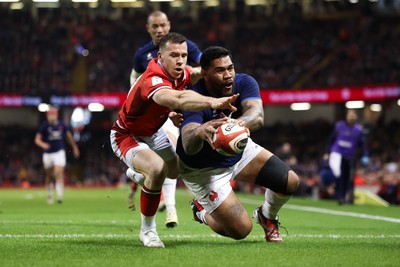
51, 138
157, 26
137, 137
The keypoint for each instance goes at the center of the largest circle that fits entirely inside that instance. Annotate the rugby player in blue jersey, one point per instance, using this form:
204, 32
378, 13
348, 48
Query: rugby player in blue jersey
51, 137
208, 174
158, 26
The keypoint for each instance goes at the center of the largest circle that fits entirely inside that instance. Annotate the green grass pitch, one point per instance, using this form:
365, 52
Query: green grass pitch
94, 227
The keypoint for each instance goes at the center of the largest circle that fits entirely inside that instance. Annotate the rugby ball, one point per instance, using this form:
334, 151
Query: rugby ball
230, 139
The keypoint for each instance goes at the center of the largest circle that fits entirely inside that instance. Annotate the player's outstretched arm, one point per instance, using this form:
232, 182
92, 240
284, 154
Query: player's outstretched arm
190, 100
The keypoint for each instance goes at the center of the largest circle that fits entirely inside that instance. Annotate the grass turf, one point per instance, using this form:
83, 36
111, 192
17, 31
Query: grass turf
94, 227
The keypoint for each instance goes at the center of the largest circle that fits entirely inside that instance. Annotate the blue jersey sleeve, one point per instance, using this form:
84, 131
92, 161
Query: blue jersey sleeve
194, 53
247, 87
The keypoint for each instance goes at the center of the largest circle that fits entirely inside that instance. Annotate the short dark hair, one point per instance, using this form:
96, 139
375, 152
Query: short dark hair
211, 53
172, 37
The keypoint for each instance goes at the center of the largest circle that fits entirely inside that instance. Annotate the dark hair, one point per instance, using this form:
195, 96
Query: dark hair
211, 53
172, 37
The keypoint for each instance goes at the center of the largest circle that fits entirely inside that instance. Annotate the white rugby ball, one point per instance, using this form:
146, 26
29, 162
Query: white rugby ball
230, 139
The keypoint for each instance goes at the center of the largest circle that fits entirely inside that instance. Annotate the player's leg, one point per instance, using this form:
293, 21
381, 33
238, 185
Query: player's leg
215, 202
352, 169
341, 183
49, 184
139, 157
348, 181
169, 190
60, 162
267, 170
230, 219
154, 170
49, 177
59, 182
169, 187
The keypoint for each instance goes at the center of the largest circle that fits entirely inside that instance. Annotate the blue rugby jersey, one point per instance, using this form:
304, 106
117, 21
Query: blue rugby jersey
248, 89
150, 50
54, 135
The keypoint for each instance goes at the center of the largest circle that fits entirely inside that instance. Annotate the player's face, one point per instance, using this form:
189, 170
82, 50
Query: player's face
52, 118
173, 57
351, 117
157, 27
220, 77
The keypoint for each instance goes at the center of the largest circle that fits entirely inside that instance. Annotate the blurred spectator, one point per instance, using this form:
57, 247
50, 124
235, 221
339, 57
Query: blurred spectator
286, 154
390, 185
54, 51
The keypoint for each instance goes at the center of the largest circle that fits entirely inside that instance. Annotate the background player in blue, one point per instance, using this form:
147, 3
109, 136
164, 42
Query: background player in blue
208, 174
51, 138
158, 26
346, 138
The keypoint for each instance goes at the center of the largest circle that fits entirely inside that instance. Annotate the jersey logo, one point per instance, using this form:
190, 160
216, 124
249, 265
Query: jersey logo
156, 80
213, 196
149, 56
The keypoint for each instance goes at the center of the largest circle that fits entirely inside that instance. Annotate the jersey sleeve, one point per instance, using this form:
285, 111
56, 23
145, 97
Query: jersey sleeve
192, 116
194, 52
249, 88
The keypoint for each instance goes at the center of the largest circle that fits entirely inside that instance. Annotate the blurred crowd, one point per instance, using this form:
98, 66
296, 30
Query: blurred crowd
57, 50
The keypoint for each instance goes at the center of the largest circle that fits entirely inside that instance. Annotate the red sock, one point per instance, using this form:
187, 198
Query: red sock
149, 200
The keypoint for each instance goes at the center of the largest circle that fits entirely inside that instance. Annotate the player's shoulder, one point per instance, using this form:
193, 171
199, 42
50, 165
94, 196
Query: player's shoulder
243, 77
200, 87
245, 82
154, 73
145, 49
191, 43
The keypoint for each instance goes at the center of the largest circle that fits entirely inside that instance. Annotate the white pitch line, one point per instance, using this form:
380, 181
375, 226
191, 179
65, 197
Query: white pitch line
129, 236
331, 212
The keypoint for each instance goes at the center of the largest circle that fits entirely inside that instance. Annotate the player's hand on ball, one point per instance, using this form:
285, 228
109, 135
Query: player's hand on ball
230, 138
206, 130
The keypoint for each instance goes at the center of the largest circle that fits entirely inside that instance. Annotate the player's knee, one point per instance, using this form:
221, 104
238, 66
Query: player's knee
241, 230
157, 174
277, 176
293, 183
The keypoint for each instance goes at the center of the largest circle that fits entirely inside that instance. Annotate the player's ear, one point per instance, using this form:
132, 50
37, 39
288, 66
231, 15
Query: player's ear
203, 72
159, 55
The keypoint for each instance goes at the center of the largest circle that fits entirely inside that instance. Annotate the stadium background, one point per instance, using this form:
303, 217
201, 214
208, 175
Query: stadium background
66, 49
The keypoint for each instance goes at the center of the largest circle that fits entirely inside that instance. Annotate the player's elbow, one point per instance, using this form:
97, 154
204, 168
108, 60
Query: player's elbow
259, 122
256, 123
191, 150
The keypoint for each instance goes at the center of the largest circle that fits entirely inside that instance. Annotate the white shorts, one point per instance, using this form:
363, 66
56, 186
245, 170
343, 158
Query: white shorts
211, 186
54, 159
169, 127
158, 142
335, 162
